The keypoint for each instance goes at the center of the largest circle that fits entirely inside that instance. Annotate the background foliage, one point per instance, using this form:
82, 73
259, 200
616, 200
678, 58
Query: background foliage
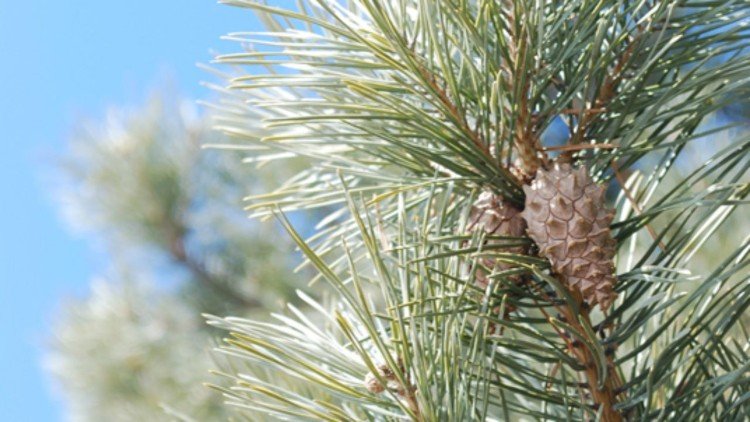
169, 217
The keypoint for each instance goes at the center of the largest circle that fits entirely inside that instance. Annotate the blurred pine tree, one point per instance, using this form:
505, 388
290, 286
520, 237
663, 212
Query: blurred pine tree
170, 218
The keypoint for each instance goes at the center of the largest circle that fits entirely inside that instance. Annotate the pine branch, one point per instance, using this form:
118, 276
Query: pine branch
177, 250
411, 109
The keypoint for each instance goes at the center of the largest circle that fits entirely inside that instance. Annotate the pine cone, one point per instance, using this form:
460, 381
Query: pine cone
568, 219
499, 218
374, 385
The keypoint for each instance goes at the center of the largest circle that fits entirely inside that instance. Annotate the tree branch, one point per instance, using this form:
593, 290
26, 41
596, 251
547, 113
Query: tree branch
606, 398
178, 253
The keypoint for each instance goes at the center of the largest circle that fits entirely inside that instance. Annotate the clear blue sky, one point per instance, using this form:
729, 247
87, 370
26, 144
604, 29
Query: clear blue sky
60, 60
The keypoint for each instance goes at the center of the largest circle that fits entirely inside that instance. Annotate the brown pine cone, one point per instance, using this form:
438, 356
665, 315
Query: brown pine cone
499, 218
568, 219
374, 385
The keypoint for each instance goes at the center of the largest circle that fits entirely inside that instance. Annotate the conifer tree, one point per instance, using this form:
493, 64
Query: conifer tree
170, 221
516, 233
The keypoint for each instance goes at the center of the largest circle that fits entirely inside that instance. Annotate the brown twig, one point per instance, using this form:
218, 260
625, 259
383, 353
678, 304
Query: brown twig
411, 401
455, 113
525, 138
579, 147
582, 111
568, 344
607, 91
460, 117
177, 250
605, 398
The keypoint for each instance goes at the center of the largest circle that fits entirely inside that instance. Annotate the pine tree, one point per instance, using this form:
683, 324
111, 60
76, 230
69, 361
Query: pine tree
422, 119
166, 213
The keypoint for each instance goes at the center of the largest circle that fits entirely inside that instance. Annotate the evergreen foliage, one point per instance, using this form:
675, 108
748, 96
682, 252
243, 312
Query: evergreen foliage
408, 110
130, 352
165, 213
141, 183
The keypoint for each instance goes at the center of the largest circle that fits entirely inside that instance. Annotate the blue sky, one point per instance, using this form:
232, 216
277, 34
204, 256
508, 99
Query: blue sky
61, 61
